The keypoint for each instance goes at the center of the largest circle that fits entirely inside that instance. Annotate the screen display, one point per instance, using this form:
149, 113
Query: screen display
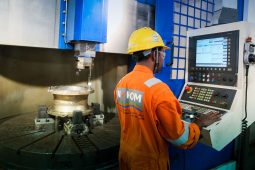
212, 52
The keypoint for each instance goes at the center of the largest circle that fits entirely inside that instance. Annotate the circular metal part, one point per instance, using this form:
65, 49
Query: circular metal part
70, 90
22, 146
68, 99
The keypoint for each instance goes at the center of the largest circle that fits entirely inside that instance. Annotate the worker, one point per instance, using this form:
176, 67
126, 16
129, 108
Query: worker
149, 113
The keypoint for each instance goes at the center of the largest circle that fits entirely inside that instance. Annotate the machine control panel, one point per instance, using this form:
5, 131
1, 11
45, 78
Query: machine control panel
191, 111
213, 58
217, 97
205, 76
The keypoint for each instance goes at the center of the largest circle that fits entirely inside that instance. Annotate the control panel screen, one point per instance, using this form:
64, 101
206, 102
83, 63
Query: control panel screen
213, 58
212, 52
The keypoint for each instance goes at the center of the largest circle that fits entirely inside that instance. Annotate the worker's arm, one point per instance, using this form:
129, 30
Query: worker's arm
173, 129
169, 123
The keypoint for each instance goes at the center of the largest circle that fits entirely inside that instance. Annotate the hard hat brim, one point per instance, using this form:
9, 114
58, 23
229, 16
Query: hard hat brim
165, 47
134, 50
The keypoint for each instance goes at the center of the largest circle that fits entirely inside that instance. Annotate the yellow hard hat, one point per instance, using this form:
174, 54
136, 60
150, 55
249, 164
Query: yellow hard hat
144, 39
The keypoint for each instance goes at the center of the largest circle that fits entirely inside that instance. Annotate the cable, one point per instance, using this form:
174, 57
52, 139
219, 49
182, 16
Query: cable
243, 137
244, 121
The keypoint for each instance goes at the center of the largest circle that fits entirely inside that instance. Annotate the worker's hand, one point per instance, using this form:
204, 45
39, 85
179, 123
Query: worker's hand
207, 119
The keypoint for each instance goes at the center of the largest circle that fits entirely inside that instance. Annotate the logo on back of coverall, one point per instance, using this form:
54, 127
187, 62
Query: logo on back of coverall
130, 98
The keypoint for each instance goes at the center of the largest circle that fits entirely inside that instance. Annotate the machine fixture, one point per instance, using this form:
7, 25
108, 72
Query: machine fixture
71, 110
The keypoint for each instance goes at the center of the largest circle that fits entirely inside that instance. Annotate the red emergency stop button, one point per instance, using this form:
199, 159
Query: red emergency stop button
188, 89
248, 39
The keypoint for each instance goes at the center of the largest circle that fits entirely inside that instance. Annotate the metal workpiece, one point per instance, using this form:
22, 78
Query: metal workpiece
23, 146
68, 99
70, 90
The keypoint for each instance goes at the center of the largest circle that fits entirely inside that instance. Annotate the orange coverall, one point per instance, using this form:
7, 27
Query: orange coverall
150, 117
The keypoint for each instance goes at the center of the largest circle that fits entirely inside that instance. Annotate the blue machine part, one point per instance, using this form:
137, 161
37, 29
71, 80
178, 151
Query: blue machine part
62, 30
200, 157
164, 26
240, 8
150, 2
86, 21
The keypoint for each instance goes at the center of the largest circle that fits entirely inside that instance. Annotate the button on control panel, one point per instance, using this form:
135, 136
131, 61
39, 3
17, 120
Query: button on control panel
212, 78
216, 97
191, 111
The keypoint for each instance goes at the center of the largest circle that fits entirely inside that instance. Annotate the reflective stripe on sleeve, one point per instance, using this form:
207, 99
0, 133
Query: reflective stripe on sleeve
152, 81
183, 138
